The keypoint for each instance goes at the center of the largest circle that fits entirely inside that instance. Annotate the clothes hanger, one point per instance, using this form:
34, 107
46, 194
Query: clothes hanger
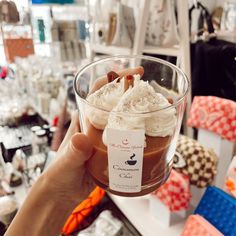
203, 35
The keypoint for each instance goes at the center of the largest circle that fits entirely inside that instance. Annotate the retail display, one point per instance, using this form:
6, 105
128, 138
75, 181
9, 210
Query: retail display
117, 25
159, 124
197, 225
69, 36
214, 114
196, 161
13, 139
219, 209
42, 79
130, 107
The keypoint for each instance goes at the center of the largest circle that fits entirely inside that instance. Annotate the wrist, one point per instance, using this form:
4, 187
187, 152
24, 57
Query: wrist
54, 197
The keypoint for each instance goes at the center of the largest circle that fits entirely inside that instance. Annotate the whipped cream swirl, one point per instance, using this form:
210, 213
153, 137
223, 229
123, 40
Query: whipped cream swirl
140, 107
105, 99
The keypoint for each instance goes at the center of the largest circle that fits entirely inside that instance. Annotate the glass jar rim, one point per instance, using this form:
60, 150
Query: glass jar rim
150, 58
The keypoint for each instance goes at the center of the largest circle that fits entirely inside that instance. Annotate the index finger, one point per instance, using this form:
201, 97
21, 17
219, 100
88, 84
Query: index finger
103, 80
74, 128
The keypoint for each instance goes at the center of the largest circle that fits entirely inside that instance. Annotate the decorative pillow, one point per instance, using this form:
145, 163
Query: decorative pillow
197, 225
175, 192
214, 114
218, 208
196, 161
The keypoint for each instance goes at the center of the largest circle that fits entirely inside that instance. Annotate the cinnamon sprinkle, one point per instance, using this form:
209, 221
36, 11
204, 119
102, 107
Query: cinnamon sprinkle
170, 100
129, 81
111, 76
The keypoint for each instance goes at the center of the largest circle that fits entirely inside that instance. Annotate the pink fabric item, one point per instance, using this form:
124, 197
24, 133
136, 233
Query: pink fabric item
214, 114
175, 192
198, 226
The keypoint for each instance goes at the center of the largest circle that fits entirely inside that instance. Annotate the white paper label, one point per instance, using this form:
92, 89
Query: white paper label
125, 159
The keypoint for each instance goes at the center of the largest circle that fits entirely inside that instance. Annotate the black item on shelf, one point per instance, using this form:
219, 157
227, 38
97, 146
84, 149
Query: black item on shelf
214, 69
19, 137
2, 229
212, 62
8, 153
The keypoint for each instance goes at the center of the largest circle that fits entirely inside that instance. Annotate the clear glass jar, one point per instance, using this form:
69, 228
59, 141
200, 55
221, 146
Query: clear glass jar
133, 157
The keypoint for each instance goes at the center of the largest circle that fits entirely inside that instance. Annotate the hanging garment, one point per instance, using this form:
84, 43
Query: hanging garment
213, 62
213, 68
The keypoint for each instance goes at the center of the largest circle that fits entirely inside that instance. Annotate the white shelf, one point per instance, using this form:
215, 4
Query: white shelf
110, 50
170, 51
136, 210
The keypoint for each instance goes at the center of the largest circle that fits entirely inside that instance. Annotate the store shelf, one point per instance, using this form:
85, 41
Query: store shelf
44, 116
110, 50
136, 210
56, 5
170, 51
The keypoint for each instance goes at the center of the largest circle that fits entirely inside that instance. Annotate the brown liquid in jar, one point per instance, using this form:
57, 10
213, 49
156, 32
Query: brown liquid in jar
155, 168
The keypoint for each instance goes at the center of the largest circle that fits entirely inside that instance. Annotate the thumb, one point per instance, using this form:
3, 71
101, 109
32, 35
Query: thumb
79, 150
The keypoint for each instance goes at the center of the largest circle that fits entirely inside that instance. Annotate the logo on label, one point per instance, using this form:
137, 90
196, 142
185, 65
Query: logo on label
131, 162
125, 141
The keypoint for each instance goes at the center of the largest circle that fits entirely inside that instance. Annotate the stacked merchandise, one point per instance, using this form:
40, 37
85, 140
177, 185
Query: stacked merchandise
216, 212
41, 79
194, 165
198, 165
116, 26
67, 33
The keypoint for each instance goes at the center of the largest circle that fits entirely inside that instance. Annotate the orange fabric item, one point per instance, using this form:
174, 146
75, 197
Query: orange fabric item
82, 210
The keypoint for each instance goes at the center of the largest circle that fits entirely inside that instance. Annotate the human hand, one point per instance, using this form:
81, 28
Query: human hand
62, 186
67, 179
58, 190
